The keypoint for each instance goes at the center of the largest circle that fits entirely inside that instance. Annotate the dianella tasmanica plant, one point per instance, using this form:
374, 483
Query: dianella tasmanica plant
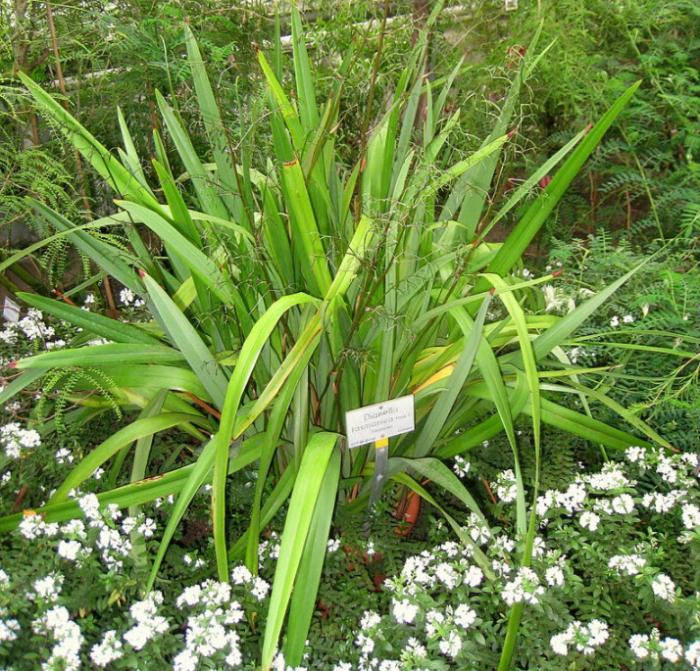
292, 288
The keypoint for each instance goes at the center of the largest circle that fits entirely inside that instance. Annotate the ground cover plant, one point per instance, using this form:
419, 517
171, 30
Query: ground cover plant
280, 286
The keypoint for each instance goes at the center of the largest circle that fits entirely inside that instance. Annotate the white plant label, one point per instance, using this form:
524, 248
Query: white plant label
381, 420
10, 310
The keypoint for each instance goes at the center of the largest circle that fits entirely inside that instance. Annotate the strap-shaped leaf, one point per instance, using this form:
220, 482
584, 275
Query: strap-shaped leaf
248, 357
185, 337
307, 490
111, 329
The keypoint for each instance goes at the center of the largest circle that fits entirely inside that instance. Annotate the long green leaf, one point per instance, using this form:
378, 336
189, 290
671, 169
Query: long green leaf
306, 493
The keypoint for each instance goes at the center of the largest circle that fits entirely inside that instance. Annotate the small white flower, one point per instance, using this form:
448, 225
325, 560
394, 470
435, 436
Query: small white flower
241, 575
691, 516
333, 545
464, 616
69, 550
639, 645
635, 454
108, 650
447, 575
615, 322
623, 504
627, 564
451, 645
404, 611
473, 576
524, 588
260, 588
147, 528
628, 319
506, 486
663, 587
671, 649
369, 619
589, 520
692, 655
9, 629
461, 466
559, 643
126, 296
554, 576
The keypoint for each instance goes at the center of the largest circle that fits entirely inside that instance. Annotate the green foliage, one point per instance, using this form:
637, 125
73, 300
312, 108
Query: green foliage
300, 271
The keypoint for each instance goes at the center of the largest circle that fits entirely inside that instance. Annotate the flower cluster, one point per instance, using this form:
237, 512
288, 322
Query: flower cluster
584, 638
652, 647
14, 439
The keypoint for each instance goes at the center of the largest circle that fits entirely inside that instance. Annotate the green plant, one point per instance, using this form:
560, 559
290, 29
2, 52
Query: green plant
294, 290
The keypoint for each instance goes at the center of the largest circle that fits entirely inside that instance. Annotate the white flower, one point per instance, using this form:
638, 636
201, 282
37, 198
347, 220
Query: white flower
414, 649
589, 520
69, 550
663, 587
241, 575
473, 576
671, 649
365, 643
333, 545
639, 645
126, 296
464, 616
451, 645
610, 477
186, 660
48, 587
64, 456
627, 564
433, 620
628, 319
572, 499
623, 504
692, 655
138, 636
90, 505
9, 629
585, 638
147, 528
556, 299
404, 611
524, 588
260, 588
190, 596
635, 454
554, 576
691, 516
447, 575
615, 322
559, 643
369, 619
662, 503
33, 526
461, 466
479, 532
15, 439
107, 650
506, 486
666, 470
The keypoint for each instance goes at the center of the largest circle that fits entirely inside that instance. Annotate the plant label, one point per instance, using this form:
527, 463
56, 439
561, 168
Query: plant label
380, 421
10, 310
